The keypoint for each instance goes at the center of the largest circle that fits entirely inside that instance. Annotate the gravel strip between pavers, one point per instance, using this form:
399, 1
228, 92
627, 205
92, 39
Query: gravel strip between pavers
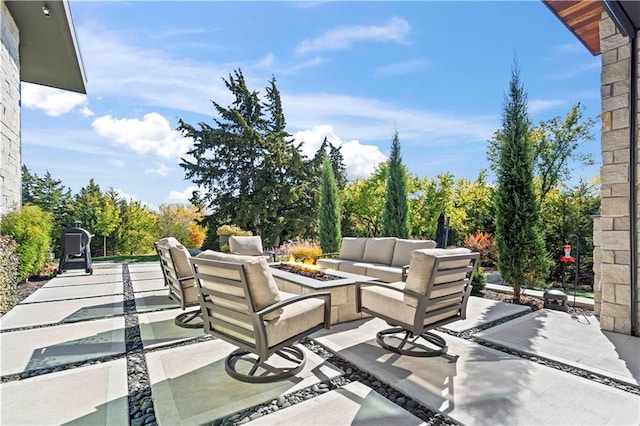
141, 409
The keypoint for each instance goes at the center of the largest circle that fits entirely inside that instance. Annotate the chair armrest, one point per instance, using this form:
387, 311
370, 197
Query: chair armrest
323, 255
405, 273
281, 304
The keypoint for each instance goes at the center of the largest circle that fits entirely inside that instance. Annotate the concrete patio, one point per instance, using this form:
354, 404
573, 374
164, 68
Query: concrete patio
65, 359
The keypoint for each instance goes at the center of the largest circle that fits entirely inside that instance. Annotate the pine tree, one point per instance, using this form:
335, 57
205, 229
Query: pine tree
395, 216
329, 211
522, 258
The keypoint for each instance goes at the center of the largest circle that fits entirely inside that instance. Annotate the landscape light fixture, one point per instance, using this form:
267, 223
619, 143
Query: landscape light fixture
45, 10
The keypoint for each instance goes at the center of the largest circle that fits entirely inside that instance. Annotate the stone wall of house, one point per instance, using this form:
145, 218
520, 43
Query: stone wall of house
10, 151
597, 265
614, 251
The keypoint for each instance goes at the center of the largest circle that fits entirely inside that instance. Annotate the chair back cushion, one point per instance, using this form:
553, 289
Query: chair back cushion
421, 270
403, 249
180, 256
379, 250
352, 248
260, 283
246, 246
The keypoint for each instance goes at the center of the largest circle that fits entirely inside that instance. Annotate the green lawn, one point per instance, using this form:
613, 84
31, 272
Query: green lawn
127, 259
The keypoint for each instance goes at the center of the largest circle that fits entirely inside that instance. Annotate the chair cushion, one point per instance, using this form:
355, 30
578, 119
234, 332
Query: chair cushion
421, 269
262, 286
379, 250
392, 304
388, 302
329, 263
180, 256
352, 248
403, 249
385, 273
295, 319
354, 267
247, 246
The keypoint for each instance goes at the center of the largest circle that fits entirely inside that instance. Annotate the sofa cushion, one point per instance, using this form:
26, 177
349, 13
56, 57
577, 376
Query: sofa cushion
352, 267
379, 250
180, 256
403, 249
329, 263
352, 248
421, 269
262, 286
385, 273
247, 246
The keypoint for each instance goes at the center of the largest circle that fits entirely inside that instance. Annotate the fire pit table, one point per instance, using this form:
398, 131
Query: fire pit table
342, 287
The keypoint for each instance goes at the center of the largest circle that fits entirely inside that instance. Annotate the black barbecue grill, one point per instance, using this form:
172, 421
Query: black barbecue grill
76, 252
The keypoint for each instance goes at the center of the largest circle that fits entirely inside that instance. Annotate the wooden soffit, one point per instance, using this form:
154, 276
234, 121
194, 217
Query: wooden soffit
582, 18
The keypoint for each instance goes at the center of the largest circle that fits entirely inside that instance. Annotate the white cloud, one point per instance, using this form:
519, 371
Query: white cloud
54, 102
116, 163
368, 119
160, 169
86, 112
400, 68
152, 134
539, 105
360, 160
181, 196
291, 69
342, 38
133, 198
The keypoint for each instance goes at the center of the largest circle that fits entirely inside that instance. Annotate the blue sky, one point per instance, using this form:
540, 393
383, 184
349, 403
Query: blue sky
436, 71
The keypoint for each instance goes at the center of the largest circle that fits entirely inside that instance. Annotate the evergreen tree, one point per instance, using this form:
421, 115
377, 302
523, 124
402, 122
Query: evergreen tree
395, 216
329, 211
252, 170
522, 259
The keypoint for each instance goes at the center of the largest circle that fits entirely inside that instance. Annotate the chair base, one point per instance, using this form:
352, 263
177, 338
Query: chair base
269, 373
419, 348
190, 319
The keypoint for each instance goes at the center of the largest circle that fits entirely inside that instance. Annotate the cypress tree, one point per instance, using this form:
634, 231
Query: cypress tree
395, 216
519, 241
329, 210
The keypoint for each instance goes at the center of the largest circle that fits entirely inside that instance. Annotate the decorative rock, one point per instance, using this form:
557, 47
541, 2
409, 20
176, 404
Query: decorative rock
400, 401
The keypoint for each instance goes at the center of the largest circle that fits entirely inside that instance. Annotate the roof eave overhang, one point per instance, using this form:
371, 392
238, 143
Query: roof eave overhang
49, 51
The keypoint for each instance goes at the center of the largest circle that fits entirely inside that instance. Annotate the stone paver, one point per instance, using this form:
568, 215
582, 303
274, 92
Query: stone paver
75, 292
190, 385
144, 267
62, 344
81, 280
146, 275
92, 395
62, 311
484, 386
482, 311
154, 300
158, 328
576, 341
353, 404
149, 285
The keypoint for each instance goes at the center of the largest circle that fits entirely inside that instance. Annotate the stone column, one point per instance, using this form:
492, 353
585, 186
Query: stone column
614, 222
10, 152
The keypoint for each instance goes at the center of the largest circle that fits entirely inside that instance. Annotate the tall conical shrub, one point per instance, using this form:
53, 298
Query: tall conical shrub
395, 216
329, 210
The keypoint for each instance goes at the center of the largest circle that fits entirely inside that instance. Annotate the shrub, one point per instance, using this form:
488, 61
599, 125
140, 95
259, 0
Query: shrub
305, 251
482, 242
9, 262
479, 281
232, 230
30, 227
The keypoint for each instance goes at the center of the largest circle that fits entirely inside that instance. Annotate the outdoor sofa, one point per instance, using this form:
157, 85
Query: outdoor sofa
386, 259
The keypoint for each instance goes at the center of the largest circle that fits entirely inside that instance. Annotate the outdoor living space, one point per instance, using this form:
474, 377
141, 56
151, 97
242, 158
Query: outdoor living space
115, 330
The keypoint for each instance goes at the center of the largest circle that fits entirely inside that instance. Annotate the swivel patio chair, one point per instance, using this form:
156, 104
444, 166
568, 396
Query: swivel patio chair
178, 277
242, 305
248, 246
435, 293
